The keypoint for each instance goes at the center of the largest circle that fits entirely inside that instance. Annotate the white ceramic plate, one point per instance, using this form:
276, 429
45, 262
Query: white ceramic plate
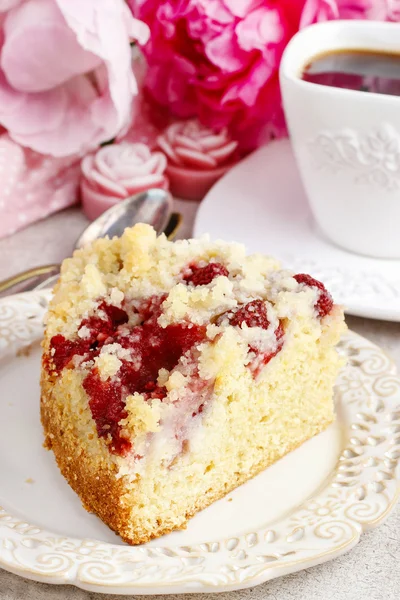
306, 509
261, 203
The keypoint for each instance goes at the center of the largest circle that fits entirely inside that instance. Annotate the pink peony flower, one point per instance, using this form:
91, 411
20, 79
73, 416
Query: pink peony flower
66, 82
118, 171
189, 144
219, 59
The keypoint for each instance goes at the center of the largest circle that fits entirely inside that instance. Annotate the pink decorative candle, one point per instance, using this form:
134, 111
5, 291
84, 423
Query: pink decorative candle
197, 157
116, 172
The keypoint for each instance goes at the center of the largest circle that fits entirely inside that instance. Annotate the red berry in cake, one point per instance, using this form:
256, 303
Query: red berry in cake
155, 348
62, 350
263, 358
254, 314
117, 316
108, 408
149, 309
205, 275
324, 303
97, 331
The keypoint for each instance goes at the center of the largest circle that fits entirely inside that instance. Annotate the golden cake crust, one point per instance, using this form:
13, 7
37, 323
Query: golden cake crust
92, 478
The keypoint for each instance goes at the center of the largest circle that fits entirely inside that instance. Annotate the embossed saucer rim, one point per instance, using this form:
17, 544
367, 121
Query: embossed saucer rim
359, 494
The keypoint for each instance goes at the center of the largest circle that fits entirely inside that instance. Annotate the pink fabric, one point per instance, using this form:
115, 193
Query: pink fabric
66, 83
118, 171
219, 59
32, 185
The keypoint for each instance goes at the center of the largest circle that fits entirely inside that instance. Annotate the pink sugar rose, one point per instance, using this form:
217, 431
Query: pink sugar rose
189, 144
66, 82
197, 157
219, 59
118, 171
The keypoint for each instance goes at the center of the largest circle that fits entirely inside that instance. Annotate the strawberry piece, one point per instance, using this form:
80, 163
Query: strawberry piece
205, 275
254, 314
324, 304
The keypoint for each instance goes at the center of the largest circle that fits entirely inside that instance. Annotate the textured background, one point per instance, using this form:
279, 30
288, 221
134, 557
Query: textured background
371, 571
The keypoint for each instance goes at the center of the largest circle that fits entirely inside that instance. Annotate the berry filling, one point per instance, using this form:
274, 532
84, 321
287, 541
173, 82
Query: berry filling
254, 314
151, 348
97, 330
204, 275
107, 408
324, 304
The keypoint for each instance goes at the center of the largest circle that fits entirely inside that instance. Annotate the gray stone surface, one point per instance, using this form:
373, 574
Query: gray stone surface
370, 571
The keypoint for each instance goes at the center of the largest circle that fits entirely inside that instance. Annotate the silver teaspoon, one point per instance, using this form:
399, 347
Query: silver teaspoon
152, 207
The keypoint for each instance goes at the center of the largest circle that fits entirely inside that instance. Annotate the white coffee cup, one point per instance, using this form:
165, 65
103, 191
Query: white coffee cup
346, 142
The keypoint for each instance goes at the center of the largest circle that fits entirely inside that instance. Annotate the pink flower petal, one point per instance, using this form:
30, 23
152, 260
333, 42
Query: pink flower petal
260, 29
247, 90
224, 52
317, 10
33, 31
30, 114
7, 4
218, 11
242, 8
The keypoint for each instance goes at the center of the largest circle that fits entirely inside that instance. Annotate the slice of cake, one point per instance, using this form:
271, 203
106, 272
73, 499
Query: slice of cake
174, 372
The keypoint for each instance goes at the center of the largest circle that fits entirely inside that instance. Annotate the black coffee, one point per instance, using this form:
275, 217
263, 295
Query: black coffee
362, 70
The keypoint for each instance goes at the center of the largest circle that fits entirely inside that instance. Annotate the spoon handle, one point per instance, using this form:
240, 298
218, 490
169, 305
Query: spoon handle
29, 279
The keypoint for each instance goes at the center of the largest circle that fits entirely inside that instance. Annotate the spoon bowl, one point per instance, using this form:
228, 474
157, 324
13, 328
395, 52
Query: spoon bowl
152, 206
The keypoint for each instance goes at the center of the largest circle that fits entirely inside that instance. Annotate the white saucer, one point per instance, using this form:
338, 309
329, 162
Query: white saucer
261, 203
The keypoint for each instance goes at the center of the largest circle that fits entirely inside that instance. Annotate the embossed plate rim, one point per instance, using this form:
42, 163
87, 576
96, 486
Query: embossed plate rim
359, 494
